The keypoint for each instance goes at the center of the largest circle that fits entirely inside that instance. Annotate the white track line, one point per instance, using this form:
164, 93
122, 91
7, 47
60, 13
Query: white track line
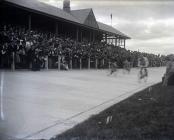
1, 86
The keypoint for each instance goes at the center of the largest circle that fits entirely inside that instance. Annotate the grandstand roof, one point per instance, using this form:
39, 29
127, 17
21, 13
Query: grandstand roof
81, 17
43, 8
81, 14
110, 29
85, 17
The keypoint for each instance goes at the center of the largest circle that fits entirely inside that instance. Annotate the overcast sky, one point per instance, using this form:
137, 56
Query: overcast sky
150, 23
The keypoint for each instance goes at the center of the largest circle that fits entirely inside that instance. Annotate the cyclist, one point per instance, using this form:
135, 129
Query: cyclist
126, 66
143, 63
114, 67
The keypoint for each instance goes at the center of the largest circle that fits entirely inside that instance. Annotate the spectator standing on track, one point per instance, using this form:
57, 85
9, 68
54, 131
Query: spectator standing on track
169, 75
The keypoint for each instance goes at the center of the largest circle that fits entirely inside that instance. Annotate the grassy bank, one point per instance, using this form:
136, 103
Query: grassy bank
148, 114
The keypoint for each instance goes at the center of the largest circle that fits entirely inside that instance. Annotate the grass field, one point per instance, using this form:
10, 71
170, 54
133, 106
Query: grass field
148, 114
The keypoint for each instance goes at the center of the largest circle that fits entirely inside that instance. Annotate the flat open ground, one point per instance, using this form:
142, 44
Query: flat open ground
43, 104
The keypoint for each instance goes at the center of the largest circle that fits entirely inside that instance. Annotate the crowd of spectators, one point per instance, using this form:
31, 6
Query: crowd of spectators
31, 49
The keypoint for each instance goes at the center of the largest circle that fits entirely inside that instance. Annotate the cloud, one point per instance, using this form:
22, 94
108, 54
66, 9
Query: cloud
161, 45
147, 29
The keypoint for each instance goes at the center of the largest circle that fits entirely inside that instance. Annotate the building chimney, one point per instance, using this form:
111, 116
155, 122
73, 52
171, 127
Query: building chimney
66, 6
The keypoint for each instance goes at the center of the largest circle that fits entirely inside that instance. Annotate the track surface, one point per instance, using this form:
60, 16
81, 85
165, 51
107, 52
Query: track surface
42, 104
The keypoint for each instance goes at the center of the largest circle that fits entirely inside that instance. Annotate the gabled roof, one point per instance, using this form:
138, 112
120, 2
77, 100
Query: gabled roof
91, 20
43, 8
81, 14
75, 16
111, 30
86, 17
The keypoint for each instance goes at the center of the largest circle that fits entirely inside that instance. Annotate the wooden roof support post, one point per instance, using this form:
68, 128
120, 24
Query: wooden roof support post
124, 43
93, 36
57, 29
106, 38
90, 36
119, 41
115, 40
77, 34
81, 35
29, 22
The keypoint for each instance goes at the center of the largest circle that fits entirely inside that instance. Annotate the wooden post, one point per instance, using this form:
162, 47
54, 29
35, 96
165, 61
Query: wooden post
13, 62
81, 36
77, 34
96, 63
115, 41
106, 38
31, 65
46, 63
29, 22
89, 63
124, 43
59, 61
119, 42
57, 29
71, 63
103, 62
109, 64
93, 36
80, 63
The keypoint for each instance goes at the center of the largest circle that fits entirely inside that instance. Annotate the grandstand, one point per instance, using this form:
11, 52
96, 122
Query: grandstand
36, 35
78, 25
